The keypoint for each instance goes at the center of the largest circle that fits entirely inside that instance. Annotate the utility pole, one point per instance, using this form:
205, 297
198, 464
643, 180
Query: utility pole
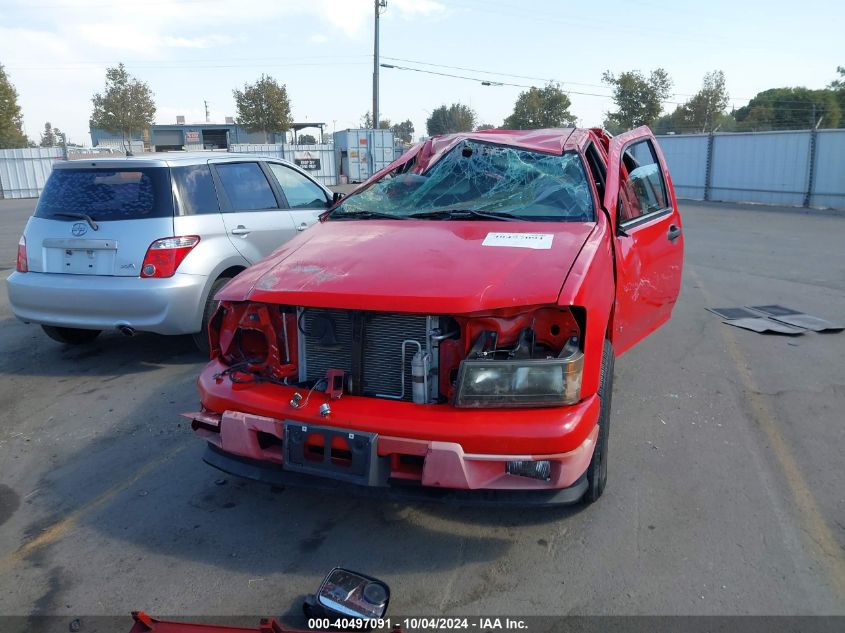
379, 4
206, 111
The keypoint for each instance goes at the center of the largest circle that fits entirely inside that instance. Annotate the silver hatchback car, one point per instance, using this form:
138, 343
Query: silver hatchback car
144, 243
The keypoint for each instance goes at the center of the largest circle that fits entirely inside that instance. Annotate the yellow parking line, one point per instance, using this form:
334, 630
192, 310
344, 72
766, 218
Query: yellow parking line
59, 529
821, 542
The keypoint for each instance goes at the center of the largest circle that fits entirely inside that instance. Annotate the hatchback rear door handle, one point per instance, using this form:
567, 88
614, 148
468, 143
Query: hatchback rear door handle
240, 230
674, 233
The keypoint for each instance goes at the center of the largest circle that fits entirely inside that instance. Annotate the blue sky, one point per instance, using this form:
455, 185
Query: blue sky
56, 52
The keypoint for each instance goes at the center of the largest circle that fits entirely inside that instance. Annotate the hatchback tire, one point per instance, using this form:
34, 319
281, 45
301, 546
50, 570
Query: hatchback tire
70, 335
597, 470
201, 337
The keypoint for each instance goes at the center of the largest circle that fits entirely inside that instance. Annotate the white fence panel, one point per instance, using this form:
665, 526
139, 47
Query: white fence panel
317, 160
686, 156
769, 168
829, 179
23, 172
119, 147
776, 168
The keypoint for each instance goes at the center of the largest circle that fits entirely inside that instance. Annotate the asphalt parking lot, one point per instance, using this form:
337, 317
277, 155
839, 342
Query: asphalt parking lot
726, 490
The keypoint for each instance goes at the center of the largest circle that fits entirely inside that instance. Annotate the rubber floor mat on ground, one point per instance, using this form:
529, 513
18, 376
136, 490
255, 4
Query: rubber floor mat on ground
798, 319
748, 320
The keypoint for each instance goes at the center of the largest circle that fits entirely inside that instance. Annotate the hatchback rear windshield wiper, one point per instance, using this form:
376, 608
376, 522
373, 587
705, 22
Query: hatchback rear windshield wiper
362, 215
79, 216
466, 214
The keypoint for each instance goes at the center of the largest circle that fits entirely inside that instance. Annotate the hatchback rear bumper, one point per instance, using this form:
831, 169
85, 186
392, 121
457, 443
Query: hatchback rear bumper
165, 306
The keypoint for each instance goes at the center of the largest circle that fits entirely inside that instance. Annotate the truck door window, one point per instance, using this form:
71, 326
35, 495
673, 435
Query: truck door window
597, 170
643, 189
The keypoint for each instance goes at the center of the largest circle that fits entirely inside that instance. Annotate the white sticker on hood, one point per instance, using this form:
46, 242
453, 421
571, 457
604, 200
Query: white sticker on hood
538, 241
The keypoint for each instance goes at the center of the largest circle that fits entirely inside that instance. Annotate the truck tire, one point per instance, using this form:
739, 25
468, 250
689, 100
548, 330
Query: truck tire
597, 470
70, 335
201, 337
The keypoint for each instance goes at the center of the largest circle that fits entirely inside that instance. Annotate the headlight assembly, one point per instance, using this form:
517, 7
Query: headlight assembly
546, 382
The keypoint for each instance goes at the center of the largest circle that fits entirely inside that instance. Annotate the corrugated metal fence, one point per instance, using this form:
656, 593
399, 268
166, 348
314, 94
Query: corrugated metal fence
801, 168
23, 172
794, 168
317, 160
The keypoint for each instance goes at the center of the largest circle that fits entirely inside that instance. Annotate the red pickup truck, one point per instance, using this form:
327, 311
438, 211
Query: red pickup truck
449, 328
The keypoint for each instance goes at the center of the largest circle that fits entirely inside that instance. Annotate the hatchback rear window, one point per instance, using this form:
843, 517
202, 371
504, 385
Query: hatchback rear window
195, 187
107, 194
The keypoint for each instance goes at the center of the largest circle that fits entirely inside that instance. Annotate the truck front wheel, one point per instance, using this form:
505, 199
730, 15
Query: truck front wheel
597, 470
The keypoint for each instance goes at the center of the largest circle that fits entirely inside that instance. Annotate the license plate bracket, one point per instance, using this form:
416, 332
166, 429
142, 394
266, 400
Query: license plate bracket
334, 453
80, 260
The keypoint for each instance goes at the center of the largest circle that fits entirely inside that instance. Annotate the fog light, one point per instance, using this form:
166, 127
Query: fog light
535, 470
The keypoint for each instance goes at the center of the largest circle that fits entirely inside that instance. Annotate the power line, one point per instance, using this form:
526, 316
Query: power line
177, 66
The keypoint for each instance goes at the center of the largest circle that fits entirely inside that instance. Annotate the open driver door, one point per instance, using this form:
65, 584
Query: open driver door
649, 243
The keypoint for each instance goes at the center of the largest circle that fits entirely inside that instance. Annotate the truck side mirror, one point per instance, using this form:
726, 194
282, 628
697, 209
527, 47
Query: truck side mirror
348, 593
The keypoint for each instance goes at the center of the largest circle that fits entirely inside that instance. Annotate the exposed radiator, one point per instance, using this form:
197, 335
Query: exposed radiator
326, 343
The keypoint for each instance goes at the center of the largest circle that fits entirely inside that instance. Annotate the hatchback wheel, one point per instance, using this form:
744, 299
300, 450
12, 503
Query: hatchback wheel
201, 337
70, 335
597, 470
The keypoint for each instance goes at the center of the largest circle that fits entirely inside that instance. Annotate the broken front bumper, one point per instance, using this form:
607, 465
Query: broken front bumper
389, 445
290, 452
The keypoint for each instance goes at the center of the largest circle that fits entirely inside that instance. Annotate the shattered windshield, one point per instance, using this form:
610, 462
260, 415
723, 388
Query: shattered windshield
484, 180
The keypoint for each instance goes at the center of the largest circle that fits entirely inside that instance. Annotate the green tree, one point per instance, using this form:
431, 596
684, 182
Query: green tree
125, 106
676, 123
50, 136
702, 112
263, 107
790, 109
367, 122
838, 87
450, 119
404, 131
306, 139
485, 126
541, 108
11, 120
638, 98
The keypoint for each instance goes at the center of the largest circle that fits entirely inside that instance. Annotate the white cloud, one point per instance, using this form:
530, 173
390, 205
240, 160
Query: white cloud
410, 8
57, 58
196, 42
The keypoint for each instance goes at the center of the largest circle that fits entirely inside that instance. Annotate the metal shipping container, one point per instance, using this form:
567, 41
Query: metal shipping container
362, 152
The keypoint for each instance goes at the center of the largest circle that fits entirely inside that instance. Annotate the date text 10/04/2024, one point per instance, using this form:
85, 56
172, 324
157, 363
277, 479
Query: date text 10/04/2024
419, 623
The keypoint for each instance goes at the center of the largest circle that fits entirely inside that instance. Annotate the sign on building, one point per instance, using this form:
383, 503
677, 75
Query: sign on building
192, 136
307, 161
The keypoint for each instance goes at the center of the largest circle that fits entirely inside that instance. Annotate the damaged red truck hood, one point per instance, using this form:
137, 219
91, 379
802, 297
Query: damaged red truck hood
443, 267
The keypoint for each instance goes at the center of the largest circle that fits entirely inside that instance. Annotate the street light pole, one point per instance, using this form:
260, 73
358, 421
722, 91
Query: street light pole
378, 4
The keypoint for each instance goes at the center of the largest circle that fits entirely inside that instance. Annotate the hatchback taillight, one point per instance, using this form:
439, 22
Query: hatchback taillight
21, 265
164, 256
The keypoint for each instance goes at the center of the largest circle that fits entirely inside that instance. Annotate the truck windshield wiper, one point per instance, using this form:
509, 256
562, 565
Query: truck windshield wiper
362, 215
79, 216
466, 214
